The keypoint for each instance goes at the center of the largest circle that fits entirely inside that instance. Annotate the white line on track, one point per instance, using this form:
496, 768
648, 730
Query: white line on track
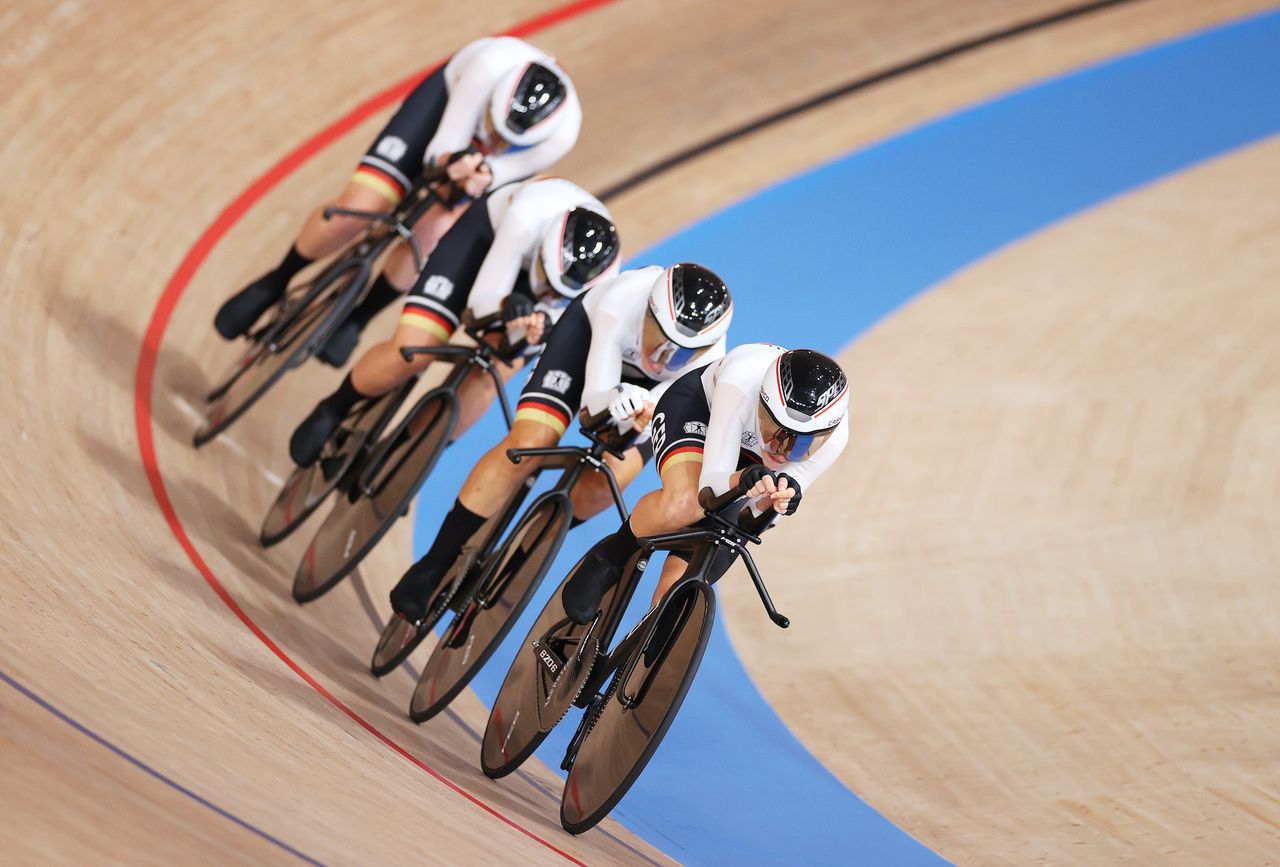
184, 406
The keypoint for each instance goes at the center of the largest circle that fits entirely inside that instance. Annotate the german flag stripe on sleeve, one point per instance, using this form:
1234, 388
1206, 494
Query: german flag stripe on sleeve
427, 320
542, 413
679, 456
379, 181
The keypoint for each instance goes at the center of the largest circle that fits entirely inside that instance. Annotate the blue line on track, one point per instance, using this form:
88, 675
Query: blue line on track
143, 766
817, 260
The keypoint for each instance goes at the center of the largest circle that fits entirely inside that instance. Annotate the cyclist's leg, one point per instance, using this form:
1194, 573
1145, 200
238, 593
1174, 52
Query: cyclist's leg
546, 405
400, 269
592, 494
491, 484
379, 183
379, 370
393, 283
679, 431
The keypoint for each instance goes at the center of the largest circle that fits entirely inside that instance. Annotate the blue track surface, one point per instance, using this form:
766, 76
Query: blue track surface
846, 244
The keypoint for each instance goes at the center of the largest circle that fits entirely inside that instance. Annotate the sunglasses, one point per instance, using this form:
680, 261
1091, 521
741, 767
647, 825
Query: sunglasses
661, 351
792, 445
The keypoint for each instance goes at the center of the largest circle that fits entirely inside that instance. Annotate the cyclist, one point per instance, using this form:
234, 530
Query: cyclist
770, 418
617, 348
524, 249
500, 102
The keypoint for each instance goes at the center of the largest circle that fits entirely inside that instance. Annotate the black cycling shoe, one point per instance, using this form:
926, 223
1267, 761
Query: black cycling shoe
237, 315
338, 348
409, 597
582, 594
309, 437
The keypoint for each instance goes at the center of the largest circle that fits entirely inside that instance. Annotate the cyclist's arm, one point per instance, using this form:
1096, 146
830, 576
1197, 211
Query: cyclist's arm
604, 358
522, 163
729, 408
498, 272
468, 100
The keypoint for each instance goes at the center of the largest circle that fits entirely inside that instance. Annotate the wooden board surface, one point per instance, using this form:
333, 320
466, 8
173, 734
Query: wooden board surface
124, 131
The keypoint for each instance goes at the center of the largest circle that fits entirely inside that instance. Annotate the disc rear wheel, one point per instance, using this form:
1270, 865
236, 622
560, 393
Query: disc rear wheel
307, 487
398, 467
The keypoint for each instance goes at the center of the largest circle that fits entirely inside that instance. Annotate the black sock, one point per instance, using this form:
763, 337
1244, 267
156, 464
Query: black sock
292, 263
381, 295
459, 526
619, 547
345, 397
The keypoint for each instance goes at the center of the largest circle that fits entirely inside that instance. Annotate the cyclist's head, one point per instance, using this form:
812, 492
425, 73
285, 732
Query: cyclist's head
525, 104
577, 251
803, 398
689, 311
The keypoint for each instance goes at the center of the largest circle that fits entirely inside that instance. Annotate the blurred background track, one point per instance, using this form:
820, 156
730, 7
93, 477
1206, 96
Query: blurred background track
126, 129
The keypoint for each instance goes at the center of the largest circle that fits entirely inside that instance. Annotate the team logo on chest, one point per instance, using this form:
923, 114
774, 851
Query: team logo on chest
749, 439
557, 380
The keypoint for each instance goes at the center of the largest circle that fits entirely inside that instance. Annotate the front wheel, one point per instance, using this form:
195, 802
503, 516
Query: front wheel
641, 703
505, 590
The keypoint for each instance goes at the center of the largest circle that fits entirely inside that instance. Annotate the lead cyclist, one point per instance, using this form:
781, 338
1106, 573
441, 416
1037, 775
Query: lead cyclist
772, 419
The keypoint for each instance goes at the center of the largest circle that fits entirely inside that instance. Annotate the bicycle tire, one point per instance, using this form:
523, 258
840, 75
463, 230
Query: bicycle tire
295, 342
502, 595
386, 659
307, 488
325, 563
621, 740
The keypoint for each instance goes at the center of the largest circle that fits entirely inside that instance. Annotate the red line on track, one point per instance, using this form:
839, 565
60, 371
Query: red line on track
159, 323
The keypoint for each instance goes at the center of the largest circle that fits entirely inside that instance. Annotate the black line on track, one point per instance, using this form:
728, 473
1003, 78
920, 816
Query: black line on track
896, 71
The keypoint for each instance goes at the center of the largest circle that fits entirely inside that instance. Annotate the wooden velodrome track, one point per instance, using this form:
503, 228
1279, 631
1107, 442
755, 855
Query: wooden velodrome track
1131, 716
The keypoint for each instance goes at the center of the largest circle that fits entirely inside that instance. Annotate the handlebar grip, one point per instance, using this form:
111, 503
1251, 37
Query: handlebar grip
457, 155
514, 457
780, 620
484, 322
711, 503
592, 422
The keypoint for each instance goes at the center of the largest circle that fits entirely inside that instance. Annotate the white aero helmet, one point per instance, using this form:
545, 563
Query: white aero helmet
689, 312
526, 102
803, 398
577, 251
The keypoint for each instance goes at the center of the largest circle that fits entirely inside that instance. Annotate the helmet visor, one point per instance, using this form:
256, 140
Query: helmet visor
790, 445
661, 352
